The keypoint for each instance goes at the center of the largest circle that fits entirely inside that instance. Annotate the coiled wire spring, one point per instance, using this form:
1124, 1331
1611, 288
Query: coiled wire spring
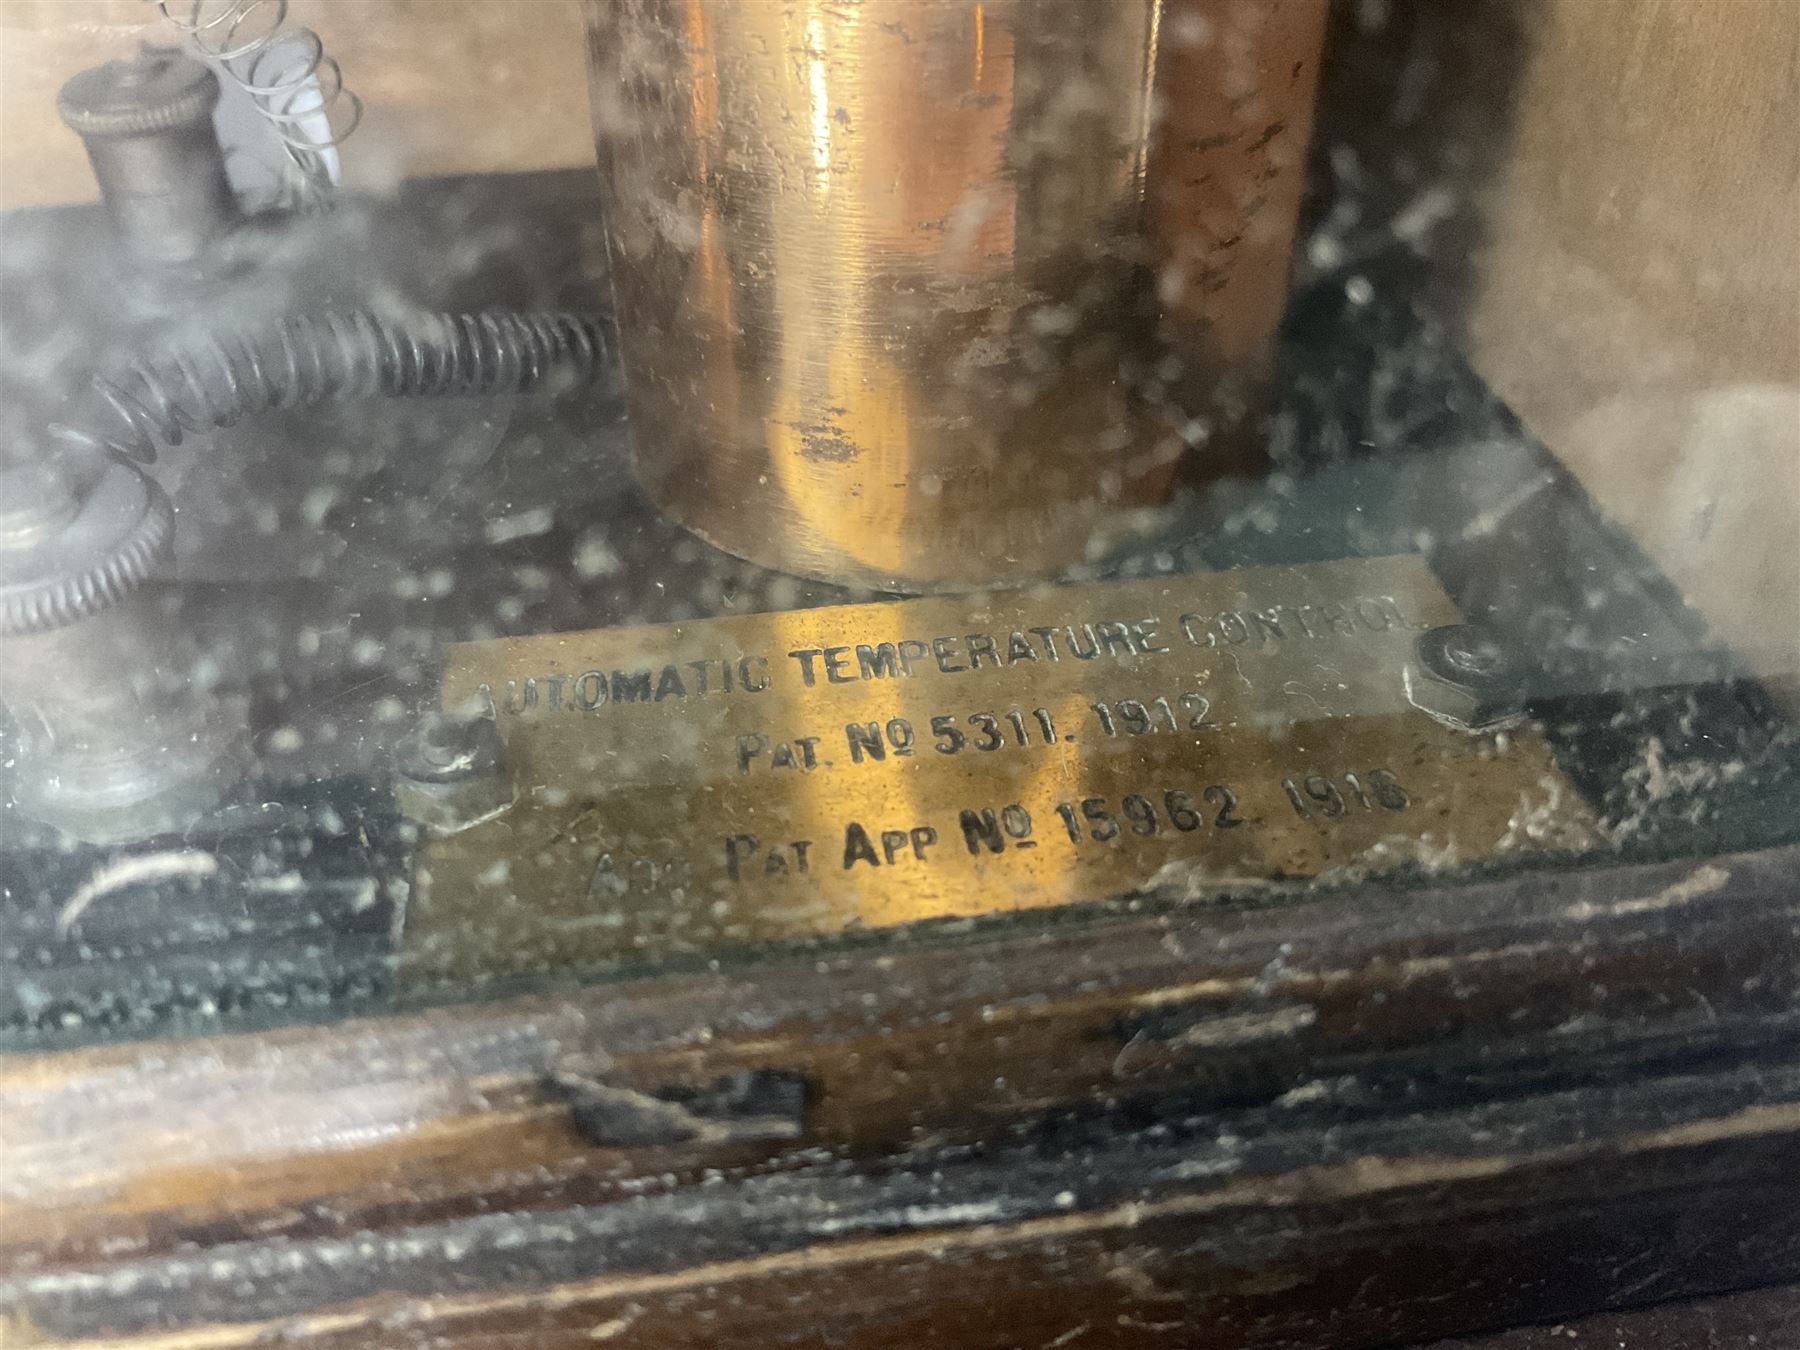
295, 85
224, 378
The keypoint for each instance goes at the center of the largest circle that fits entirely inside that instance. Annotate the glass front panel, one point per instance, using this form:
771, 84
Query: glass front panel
496, 494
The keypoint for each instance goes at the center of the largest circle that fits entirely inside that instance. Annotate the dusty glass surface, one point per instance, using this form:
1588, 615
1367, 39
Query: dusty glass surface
638, 483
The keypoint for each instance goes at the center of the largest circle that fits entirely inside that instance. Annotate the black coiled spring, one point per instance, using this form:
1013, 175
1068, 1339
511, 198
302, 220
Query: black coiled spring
307, 359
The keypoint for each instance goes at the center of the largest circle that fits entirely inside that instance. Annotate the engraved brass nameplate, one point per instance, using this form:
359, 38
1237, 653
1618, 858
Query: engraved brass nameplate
751, 778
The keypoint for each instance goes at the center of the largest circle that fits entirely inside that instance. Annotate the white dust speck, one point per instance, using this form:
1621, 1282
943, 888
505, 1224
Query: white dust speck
522, 525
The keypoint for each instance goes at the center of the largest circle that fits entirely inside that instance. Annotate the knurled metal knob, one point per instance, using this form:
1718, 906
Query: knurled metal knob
147, 125
75, 538
114, 739
159, 89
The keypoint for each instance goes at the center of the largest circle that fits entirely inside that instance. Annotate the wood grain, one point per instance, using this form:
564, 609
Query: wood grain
1301, 1125
1757, 1317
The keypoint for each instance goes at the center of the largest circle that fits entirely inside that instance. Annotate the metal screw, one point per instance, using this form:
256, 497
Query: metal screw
452, 772
1471, 652
1463, 675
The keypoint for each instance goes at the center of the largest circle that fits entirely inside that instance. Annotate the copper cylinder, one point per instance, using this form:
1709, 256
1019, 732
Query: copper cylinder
916, 293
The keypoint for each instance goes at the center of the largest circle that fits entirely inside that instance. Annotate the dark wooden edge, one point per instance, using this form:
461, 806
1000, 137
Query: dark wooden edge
1768, 1318
1303, 1123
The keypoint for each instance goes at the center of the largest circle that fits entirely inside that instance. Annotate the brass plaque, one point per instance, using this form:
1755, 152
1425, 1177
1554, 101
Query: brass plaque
692, 786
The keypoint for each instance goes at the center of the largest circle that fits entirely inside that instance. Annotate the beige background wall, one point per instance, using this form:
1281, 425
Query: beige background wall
449, 84
1639, 297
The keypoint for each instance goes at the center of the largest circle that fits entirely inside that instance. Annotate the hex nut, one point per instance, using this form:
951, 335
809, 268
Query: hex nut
1465, 677
451, 774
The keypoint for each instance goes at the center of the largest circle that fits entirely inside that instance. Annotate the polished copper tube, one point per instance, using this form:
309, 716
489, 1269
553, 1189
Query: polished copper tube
922, 293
